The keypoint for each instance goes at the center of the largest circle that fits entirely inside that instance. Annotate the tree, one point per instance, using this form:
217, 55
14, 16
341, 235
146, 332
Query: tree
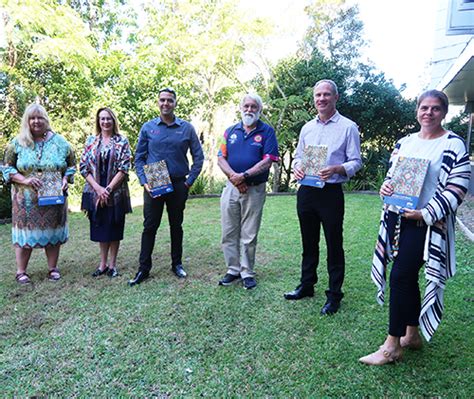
289, 98
205, 42
331, 50
46, 56
336, 31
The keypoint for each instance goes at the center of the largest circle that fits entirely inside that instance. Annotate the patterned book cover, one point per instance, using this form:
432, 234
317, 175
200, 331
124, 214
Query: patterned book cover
158, 178
314, 159
50, 193
407, 180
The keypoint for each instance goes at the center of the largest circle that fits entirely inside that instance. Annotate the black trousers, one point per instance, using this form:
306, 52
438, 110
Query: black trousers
316, 207
152, 213
405, 300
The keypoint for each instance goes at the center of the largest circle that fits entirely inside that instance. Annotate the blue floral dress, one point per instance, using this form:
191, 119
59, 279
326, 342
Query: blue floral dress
36, 226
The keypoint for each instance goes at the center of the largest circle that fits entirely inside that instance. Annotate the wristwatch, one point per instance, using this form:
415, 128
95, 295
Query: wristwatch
246, 175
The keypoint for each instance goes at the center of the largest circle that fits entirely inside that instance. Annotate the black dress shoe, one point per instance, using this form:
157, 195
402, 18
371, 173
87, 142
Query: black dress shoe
179, 271
99, 272
299, 293
139, 277
330, 308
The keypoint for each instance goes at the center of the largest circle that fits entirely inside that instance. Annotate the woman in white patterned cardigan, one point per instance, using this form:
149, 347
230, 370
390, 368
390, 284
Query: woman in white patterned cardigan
424, 235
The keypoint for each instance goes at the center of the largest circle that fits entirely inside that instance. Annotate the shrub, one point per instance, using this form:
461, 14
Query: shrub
206, 185
372, 174
5, 200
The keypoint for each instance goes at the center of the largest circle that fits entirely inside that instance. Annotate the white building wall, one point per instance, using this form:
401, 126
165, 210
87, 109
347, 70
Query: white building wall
447, 48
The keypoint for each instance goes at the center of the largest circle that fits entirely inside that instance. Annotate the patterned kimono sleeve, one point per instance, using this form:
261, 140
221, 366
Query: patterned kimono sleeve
10, 160
86, 158
70, 164
449, 196
125, 155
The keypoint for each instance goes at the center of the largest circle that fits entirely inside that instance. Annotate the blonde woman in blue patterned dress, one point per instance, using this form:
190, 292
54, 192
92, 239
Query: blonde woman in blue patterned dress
105, 163
37, 149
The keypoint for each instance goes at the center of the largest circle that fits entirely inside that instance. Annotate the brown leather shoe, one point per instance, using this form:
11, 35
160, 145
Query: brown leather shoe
381, 357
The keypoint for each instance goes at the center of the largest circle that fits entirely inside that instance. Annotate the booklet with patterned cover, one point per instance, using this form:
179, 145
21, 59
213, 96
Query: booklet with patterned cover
50, 192
158, 178
407, 180
314, 159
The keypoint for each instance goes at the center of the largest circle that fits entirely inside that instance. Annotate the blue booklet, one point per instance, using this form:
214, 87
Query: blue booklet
50, 192
313, 181
407, 181
402, 200
158, 178
314, 159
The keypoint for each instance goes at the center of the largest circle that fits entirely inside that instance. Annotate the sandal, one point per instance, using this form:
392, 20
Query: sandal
54, 274
22, 278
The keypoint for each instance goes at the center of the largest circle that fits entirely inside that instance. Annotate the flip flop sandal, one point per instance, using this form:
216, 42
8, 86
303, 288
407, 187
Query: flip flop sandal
22, 278
54, 275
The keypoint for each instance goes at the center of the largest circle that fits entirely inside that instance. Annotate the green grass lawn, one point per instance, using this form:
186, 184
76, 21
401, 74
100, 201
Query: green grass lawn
85, 337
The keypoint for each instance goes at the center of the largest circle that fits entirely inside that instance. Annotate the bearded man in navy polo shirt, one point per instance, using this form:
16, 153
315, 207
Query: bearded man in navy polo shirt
246, 153
170, 139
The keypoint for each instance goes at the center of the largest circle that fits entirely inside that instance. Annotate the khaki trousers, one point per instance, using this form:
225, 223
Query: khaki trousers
241, 215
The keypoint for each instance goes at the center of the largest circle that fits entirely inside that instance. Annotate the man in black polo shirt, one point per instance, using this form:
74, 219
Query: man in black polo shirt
246, 153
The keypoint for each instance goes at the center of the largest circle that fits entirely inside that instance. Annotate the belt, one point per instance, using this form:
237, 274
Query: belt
254, 183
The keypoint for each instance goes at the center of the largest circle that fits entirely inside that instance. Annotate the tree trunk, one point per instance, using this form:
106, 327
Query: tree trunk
276, 177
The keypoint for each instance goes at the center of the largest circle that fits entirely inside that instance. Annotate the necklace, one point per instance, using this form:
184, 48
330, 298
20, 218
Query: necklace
39, 154
104, 152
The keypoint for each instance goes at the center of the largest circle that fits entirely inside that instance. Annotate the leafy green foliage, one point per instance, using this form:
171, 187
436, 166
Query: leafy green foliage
336, 30
5, 201
331, 51
459, 125
75, 56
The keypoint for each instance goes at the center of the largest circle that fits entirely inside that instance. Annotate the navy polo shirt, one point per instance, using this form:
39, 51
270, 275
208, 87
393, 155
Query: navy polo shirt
242, 151
158, 141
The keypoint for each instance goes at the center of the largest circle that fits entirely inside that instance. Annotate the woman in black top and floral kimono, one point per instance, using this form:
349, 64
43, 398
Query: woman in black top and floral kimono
104, 164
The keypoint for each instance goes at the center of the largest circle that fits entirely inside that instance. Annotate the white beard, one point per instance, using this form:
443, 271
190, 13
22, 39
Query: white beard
250, 118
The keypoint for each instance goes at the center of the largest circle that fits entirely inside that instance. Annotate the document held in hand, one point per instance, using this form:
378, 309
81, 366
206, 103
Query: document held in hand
314, 159
407, 181
50, 192
158, 178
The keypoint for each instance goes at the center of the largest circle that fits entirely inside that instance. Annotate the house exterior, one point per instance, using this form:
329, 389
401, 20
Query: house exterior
453, 58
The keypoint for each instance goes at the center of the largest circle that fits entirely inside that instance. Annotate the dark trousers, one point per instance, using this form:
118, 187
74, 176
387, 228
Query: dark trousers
405, 300
152, 213
324, 207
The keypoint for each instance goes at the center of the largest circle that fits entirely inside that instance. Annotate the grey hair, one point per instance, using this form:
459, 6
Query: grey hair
255, 97
443, 98
330, 83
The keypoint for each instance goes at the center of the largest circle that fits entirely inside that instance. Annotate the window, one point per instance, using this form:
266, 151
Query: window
460, 17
